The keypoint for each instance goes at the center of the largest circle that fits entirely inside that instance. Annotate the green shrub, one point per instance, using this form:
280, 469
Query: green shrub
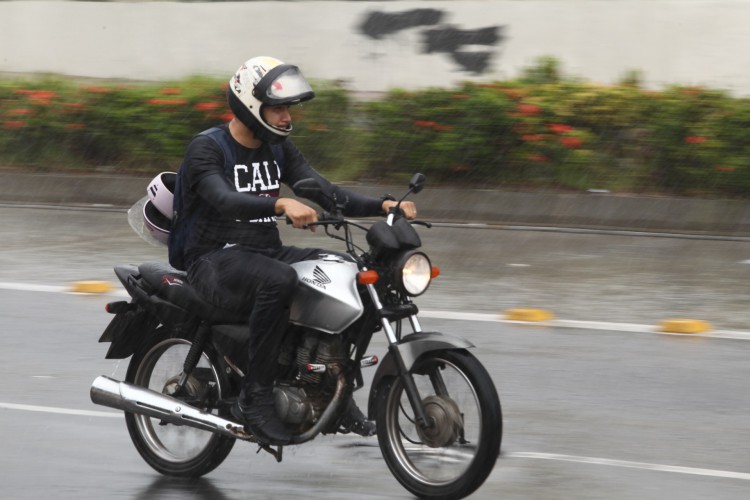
137, 127
542, 131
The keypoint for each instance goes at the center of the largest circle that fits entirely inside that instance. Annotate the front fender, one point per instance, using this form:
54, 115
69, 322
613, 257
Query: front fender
411, 348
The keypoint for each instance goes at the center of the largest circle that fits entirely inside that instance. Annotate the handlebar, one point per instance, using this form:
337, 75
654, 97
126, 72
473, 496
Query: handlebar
326, 218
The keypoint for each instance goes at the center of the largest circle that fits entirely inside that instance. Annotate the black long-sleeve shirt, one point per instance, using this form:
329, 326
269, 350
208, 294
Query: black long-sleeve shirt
239, 206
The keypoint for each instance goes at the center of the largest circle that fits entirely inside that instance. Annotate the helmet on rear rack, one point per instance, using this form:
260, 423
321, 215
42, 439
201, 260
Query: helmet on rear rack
266, 81
161, 192
157, 211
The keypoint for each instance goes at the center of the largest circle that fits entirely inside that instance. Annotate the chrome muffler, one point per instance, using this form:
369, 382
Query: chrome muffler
109, 392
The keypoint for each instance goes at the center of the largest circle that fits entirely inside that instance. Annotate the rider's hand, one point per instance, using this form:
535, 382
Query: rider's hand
299, 213
407, 207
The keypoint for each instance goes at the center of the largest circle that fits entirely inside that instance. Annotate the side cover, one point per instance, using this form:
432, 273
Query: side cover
326, 298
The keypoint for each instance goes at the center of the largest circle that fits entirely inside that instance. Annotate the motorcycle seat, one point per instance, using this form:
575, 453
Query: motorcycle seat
172, 285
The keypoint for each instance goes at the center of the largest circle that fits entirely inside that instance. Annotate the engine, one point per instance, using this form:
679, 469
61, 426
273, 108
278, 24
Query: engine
303, 402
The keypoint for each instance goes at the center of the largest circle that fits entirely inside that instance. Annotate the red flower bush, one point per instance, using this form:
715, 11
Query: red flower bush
532, 137
14, 124
424, 124
694, 139
206, 106
560, 128
528, 109
167, 102
571, 142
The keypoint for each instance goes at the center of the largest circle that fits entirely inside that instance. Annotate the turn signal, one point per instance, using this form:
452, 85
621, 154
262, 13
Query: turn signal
435, 272
367, 277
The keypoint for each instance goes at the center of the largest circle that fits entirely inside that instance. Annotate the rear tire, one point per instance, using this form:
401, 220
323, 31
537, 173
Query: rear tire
170, 449
453, 457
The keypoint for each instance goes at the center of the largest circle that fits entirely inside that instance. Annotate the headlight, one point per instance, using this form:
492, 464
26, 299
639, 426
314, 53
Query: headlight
415, 273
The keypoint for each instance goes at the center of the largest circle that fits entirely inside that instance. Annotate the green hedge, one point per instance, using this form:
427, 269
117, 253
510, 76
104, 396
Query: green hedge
56, 124
568, 135
539, 131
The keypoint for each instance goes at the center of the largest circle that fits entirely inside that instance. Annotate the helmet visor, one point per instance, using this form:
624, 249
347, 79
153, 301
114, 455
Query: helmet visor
138, 223
284, 84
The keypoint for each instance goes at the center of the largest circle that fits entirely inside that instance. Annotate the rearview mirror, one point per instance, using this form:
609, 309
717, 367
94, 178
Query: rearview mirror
416, 184
307, 188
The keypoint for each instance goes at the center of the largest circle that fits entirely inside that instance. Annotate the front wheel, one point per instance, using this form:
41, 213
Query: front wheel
176, 450
456, 453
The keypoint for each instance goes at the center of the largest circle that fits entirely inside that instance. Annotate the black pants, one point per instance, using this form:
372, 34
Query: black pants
258, 282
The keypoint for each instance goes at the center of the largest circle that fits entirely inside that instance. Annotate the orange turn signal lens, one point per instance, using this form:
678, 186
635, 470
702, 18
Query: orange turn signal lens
367, 277
435, 272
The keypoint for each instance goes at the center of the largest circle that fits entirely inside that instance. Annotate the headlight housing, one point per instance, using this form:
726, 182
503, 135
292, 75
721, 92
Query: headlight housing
413, 273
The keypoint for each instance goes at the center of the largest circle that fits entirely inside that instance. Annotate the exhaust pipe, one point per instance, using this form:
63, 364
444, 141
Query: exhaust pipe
123, 396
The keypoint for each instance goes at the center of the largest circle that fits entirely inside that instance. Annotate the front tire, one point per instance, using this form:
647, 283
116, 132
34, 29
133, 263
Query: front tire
175, 450
456, 454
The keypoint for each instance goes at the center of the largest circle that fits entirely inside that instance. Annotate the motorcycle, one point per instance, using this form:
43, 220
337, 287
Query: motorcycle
437, 412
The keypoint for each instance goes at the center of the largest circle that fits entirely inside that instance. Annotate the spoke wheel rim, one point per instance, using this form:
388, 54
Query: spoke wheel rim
160, 371
426, 454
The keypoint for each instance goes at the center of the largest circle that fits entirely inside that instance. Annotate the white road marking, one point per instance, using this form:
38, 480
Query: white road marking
632, 465
459, 316
528, 455
61, 411
583, 325
25, 287
28, 287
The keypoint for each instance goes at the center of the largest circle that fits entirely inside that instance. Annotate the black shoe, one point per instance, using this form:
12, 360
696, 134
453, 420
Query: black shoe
258, 413
353, 420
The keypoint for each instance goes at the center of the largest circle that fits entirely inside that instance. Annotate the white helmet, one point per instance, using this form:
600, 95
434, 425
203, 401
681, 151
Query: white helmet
266, 81
161, 192
157, 211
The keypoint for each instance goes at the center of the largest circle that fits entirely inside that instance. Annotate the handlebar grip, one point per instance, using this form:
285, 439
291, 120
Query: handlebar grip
324, 216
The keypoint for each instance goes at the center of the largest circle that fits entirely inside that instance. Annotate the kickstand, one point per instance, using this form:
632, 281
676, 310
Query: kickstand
277, 453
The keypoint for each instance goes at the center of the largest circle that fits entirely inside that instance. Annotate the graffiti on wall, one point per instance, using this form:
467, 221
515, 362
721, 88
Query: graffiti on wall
471, 49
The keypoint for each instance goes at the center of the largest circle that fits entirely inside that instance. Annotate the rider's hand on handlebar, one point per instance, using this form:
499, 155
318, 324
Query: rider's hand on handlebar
408, 208
298, 213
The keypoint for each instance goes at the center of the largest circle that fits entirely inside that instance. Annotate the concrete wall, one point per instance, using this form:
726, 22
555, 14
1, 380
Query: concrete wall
378, 45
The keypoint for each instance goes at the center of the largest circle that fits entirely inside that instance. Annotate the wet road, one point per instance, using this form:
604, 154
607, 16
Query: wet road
588, 413
620, 278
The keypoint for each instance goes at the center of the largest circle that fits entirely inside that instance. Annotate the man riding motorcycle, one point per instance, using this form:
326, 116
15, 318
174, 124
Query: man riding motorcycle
232, 252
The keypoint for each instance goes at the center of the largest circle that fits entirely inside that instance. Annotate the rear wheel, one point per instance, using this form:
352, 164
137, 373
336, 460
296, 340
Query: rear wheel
454, 455
175, 450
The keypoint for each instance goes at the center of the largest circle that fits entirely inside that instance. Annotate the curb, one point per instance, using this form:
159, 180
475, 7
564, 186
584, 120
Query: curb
586, 210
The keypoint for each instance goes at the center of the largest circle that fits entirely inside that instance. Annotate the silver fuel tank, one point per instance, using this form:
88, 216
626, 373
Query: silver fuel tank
326, 298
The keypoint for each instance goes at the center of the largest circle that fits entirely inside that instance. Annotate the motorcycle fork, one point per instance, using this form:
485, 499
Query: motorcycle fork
404, 374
